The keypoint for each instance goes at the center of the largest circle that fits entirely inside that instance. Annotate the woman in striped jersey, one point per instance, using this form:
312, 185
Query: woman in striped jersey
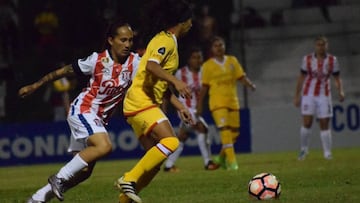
111, 72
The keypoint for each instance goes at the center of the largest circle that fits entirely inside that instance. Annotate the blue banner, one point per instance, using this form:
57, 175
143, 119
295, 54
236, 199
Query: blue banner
35, 143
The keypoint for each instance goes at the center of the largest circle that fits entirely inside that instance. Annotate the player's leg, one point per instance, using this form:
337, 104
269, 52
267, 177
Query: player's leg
158, 126
307, 110
201, 131
170, 161
324, 114
91, 132
45, 193
221, 118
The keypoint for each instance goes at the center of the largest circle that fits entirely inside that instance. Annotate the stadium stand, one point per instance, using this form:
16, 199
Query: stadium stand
273, 53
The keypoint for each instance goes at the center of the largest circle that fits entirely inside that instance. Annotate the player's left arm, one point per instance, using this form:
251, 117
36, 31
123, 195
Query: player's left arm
241, 75
338, 81
184, 112
339, 87
247, 82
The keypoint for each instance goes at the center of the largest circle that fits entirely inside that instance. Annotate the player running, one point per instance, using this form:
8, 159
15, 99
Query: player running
111, 72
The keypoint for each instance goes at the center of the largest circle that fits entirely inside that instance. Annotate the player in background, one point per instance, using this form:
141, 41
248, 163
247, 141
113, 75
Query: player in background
111, 72
220, 74
170, 19
314, 96
190, 74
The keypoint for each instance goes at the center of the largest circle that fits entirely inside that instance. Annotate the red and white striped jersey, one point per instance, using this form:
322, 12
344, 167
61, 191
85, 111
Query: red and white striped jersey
193, 79
107, 85
318, 72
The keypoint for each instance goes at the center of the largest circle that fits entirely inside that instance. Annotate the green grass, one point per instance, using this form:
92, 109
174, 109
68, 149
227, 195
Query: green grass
312, 180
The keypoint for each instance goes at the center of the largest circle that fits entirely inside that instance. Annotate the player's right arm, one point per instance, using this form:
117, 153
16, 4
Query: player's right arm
67, 70
156, 69
299, 83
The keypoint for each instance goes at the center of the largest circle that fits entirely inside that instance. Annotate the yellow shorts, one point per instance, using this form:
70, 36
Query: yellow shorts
144, 121
224, 117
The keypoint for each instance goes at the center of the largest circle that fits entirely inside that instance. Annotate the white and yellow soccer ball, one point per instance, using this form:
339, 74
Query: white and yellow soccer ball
264, 186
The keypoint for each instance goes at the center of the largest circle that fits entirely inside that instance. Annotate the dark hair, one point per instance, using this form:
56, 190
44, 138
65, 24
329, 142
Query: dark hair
191, 50
112, 30
216, 38
159, 15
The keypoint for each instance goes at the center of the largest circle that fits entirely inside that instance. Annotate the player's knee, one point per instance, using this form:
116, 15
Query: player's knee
104, 148
172, 143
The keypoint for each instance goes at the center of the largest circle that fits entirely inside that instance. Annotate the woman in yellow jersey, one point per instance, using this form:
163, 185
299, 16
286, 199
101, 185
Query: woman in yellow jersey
170, 19
219, 76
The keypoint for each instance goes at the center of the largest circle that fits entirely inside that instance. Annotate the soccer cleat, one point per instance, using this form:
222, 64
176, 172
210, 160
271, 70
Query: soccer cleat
232, 166
57, 186
302, 155
220, 160
31, 200
128, 188
328, 157
172, 169
211, 166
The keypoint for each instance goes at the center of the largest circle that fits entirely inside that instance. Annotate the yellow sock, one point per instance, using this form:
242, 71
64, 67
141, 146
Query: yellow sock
228, 146
235, 135
152, 158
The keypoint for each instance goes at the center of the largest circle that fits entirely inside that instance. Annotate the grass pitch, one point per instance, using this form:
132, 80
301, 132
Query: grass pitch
312, 180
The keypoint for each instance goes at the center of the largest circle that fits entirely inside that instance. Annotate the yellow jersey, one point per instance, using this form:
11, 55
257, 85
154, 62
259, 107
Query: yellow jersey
147, 90
221, 78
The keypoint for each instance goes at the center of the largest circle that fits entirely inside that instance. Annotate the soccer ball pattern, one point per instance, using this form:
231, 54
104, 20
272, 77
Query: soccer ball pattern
264, 186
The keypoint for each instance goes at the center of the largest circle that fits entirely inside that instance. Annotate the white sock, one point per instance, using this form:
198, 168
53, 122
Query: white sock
72, 167
204, 147
326, 141
170, 161
304, 138
44, 194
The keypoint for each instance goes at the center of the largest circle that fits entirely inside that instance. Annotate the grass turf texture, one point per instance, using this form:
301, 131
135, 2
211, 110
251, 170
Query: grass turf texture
312, 180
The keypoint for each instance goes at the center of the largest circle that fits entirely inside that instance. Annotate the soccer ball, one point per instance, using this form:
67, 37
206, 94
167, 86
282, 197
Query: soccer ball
264, 186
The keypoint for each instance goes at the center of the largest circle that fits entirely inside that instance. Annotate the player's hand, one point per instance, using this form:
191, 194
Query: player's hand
341, 96
183, 89
186, 117
252, 86
27, 90
297, 101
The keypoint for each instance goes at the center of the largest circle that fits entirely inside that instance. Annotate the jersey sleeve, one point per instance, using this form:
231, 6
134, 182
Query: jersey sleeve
85, 66
160, 49
136, 63
178, 73
239, 71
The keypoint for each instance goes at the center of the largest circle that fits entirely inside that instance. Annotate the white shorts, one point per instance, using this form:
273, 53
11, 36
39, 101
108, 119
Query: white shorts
197, 119
82, 126
320, 106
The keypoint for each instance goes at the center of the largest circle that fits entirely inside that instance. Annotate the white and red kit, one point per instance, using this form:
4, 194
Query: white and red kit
107, 86
193, 80
316, 92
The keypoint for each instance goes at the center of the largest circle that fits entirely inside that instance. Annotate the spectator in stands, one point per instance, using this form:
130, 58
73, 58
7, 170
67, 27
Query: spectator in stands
8, 31
206, 27
111, 72
219, 78
314, 97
